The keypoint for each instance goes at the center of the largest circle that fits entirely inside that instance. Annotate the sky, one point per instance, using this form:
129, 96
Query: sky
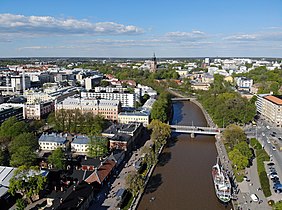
128, 28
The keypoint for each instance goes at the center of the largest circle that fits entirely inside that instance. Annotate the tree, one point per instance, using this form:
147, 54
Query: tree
135, 182
244, 149
233, 134
27, 181
239, 161
57, 158
23, 139
21, 204
23, 156
160, 133
149, 155
11, 128
2, 157
97, 146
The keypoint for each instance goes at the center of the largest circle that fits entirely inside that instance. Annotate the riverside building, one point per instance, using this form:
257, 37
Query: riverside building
270, 106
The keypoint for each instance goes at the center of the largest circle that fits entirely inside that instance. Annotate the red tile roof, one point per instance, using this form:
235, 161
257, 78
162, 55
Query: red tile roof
102, 172
274, 99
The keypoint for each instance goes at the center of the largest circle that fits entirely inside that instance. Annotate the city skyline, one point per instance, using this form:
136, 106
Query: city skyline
137, 29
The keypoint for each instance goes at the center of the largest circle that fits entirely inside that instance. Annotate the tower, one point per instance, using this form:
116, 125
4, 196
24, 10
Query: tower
153, 66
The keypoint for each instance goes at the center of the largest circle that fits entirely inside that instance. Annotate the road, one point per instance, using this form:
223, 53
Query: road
264, 136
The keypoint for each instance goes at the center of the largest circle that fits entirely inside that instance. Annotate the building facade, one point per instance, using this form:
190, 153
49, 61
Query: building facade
130, 117
107, 108
8, 111
270, 107
50, 142
126, 99
39, 110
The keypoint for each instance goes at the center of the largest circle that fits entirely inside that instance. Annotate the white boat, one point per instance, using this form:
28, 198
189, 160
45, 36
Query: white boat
222, 183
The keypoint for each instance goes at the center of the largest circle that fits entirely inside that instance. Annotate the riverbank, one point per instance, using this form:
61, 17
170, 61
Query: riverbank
182, 178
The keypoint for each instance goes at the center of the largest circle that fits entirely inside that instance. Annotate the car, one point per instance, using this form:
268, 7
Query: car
273, 148
271, 164
267, 127
273, 176
268, 141
263, 134
254, 197
279, 138
274, 132
273, 135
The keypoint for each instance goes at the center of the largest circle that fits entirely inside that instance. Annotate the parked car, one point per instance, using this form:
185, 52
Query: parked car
273, 176
254, 197
271, 164
273, 148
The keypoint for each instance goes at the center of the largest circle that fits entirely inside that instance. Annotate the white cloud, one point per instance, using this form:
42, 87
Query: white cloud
188, 36
242, 37
11, 23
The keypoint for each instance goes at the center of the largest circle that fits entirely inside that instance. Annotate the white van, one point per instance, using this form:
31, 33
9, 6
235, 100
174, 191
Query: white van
254, 197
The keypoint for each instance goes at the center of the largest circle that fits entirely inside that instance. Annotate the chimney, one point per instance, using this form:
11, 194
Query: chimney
74, 188
62, 189
85, 158
61, 200
55, 188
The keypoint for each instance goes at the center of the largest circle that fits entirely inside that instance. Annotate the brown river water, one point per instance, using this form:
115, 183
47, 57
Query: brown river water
182, 178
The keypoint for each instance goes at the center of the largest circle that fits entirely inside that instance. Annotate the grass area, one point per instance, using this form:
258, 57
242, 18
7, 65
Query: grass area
261, 157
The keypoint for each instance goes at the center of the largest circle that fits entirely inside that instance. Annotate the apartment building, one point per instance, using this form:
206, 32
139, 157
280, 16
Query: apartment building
39, 110
126, 99
107, 108
7, 111
270, 106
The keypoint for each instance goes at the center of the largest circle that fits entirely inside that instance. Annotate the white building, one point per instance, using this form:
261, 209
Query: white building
17, 83
126, 99
107, 108
244, 83
270, 107
147, 90
52, 141
91, 82
132, 117
39, 110
80, 144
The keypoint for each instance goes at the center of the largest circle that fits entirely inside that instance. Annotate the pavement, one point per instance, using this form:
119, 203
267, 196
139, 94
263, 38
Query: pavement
106, 199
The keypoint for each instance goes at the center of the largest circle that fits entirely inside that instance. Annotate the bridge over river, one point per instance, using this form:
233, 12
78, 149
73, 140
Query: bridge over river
195, 130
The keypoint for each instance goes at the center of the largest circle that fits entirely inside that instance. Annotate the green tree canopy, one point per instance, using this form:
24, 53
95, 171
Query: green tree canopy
11, 128
97, 146
57, 158
23, 156
23, 139
239, 161
134, 182
160, 133
243, 147
27, 181
233, 134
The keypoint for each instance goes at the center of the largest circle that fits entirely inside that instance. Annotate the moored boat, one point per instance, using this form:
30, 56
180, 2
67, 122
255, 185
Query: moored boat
222, 183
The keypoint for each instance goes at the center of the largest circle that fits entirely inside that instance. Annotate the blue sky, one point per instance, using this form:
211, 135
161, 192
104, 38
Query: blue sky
124, 28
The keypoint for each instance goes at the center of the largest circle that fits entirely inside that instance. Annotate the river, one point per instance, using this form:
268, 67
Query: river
182, 178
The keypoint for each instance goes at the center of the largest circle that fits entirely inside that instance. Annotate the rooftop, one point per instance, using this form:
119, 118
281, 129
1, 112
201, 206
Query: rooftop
53, 137
6, 173
102, 172
80, 140
275, 99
